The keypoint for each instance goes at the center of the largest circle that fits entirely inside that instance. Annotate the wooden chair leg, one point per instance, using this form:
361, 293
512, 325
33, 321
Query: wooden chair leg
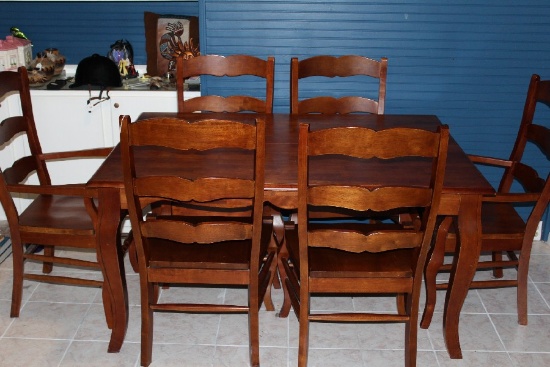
17, 288
281, 260
433, 264
279, 235
303, 343
522, 288
129, 246
254, 333
147, 324
47, 267
411, 331
107, 307
268, 300
401, 307
497, 272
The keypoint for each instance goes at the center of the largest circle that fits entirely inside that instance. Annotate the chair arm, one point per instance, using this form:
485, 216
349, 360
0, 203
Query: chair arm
68, 190
85, 153
512, 198
490, 161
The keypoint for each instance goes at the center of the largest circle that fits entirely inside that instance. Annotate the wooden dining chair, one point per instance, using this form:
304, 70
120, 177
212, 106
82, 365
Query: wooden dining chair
510, 218
63, 216
355, 69
335, 258
237, 67
221, 250
247, 67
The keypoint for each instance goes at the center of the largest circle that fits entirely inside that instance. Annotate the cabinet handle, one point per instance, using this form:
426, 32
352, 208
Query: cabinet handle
116, 105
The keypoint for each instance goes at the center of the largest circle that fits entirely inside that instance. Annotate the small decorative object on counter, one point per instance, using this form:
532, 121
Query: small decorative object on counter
16, 32
57, 59
8, 56
24, 50
122, 55
41, 69
15, 50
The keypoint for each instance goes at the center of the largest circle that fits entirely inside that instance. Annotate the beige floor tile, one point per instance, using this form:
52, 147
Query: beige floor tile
332, 303
273, 356
273, 330
232, 356
396, 358
544, 289
530, 359
47, 292
181, 328
48, 320
471, 359
5, 320
374, 303
330, 358
94, 325
177, 355
472, 303
504, 300
168, 355
534, 337
15, 352
94, 354
186, 294
6, 284
539, 268
476, 333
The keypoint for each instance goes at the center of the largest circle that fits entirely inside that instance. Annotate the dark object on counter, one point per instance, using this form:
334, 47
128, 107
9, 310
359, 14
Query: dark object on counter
122, 54
57, 84
97, 70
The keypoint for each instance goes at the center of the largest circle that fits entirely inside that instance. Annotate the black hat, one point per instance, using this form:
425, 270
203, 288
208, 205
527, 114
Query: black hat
98, 71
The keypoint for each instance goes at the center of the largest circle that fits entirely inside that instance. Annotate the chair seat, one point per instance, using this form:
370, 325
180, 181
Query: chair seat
502, 228
58, 212
502, 219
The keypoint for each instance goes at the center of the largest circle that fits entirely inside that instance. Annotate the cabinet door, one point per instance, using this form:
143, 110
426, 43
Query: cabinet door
133, 103
65, 121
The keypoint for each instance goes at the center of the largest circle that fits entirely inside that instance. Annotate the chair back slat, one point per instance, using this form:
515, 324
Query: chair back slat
200, 190
206, 232
347, 66
403, 141
354, 241
226, 66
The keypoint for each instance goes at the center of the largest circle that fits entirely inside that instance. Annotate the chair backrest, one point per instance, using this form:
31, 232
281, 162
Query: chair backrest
11, 128
530, 135
226, 66
343, 66
377, 150
177, 141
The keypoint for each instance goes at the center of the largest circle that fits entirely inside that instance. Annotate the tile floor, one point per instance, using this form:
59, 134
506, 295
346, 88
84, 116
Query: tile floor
65, 326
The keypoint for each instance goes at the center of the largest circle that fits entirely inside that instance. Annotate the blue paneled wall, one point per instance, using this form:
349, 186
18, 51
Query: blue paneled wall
467, 61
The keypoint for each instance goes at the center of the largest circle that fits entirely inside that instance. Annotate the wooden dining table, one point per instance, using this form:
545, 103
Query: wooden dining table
463, 187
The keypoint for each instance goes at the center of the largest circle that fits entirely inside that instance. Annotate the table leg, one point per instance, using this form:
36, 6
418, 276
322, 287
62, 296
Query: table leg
463, 270
110, 256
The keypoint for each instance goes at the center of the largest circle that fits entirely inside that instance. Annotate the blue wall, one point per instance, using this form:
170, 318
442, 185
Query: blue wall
467, 61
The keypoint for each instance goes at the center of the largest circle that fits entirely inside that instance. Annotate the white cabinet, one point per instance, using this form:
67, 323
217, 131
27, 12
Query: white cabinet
65, 121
